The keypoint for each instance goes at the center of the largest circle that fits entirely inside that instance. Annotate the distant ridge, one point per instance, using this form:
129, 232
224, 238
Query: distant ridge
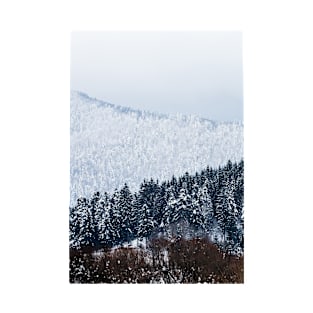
119, 108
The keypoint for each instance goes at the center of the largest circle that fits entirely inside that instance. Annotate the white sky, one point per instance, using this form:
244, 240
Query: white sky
168, 72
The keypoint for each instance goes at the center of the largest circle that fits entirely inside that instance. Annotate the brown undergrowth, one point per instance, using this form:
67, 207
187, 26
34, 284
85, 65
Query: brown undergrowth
163, 261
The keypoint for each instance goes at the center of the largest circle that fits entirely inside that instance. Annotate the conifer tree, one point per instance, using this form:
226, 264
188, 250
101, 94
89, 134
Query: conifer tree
227, 214
125, 205
78, 217
206, 206
103, 220
169, 209
160, 204
107, 235
74, 227
96, 213
116, 218
87, 231
183, 205
145, 224
211, 202
194, 213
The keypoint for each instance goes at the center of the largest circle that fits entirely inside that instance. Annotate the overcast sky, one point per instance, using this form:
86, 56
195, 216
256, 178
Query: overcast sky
188, 72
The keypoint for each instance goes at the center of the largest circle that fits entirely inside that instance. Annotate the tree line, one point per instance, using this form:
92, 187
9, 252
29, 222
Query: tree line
208, 204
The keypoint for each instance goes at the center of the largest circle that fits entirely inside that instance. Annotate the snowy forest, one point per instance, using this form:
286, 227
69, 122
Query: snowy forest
113, 145
189, 229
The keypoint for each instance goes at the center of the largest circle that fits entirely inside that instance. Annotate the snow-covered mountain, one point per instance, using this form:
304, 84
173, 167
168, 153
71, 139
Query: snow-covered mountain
111, 145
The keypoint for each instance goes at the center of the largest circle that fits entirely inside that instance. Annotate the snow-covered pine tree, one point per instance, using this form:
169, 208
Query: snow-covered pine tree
125, 204
155, 200
160, 203
239, 198
135, 214
187, 183
206, 211
96, 211
77, 218
87, 231
145, 223
116, 218
207, 202
146, 206
240, 231
175, 185
182, 211
195, 215
100, 206
239, 185
227, 215
107, 234
232, 219
74, 228
221, 212
210, 179
168, 211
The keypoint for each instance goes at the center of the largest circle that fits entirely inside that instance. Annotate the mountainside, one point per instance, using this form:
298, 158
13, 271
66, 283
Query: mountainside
112, 145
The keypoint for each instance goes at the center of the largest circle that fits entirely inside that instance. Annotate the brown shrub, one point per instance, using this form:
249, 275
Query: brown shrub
189, 261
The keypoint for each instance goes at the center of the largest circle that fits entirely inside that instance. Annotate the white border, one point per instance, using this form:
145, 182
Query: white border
35, 56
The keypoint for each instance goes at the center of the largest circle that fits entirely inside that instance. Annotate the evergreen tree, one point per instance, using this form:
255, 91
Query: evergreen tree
222, 212
206, 204
169, 209
116, 218
182, 212
160, 204
194, 213
239, 185
125, 205
103, 221
147, 196
232, 219
136, 213
107, 235
74, 227
227, 215
77, 222
183, 205
203, 211
87, 231
211, 202
145, 224
96, 213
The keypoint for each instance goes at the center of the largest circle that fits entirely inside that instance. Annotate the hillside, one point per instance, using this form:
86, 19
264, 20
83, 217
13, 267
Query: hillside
112, 145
